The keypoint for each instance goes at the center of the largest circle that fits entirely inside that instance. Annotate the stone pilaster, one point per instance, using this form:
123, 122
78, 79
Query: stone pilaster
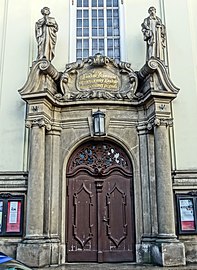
35, 196
34, 250
168, 251
147, 175
52, 190
144, 173
166, 225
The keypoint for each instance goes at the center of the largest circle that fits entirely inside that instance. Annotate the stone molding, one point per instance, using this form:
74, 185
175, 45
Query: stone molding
184, 179
13, 181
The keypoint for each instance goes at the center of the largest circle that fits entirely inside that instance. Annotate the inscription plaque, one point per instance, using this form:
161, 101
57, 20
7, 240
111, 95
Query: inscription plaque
98, 79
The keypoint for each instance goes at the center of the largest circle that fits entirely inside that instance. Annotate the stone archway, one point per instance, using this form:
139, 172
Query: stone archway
100, 204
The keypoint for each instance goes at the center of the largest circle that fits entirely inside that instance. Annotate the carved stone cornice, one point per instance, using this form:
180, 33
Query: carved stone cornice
39, 122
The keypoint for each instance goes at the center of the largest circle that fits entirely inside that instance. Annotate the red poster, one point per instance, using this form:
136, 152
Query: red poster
187, 225
13, 216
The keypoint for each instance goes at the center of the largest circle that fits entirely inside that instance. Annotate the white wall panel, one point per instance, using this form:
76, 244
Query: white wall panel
183, 73
14, 71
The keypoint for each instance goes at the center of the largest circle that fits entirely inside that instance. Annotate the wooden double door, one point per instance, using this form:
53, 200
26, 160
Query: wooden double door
100, 205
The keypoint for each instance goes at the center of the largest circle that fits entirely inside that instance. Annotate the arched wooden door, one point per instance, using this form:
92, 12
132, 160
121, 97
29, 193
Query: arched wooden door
100, 205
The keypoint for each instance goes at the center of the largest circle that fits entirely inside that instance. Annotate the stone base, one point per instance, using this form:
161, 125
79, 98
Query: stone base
169, 254
191, 251
38, 254
8, 247
143, 253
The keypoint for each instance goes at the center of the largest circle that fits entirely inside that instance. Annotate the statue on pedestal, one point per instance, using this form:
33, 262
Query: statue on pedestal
154, 35
46, 29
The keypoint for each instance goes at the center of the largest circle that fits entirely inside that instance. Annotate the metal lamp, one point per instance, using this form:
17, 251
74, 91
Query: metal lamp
99, 123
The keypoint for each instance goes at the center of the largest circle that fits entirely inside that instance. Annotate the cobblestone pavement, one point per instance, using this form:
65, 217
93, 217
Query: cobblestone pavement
117, 266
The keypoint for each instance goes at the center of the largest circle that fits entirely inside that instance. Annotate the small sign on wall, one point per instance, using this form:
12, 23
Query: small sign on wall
186, 206
14, 216
11, 214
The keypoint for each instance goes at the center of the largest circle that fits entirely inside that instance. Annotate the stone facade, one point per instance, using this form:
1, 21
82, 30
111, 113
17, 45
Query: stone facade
138, 118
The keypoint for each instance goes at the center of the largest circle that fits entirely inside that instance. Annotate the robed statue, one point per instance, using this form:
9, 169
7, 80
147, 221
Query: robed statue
154, 35
46, 29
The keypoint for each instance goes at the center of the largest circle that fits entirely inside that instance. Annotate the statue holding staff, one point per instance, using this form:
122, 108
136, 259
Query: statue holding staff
154, 35
46, 29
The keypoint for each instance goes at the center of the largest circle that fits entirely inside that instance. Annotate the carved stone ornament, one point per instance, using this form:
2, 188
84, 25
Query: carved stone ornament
41, 122
98, 77
154, 76
156, 122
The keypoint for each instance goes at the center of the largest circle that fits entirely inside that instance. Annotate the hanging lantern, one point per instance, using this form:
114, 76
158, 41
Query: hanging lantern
99, 123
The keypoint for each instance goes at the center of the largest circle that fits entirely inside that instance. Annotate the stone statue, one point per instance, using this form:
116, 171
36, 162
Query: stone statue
154, 35
46, 29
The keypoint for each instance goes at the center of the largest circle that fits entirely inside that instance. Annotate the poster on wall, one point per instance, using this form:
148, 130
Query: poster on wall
187, 214
13, 216
1, 215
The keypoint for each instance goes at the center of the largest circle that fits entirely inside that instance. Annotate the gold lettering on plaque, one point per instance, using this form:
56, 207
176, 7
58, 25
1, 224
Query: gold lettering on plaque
98, 79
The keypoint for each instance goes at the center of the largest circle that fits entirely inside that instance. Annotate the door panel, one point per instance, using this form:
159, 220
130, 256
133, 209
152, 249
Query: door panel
118, 229
100, 207
82, 228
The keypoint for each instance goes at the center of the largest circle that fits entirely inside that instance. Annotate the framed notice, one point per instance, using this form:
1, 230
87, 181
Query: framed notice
11, 214
186, 214
1, 215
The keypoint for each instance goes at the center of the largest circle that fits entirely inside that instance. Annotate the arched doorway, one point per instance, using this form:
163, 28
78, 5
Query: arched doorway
100, 204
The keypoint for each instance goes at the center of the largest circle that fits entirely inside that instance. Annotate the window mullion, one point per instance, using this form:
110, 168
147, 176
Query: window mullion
105, 26
90, 27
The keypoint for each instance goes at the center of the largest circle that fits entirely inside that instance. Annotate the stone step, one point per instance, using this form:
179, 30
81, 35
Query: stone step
115, 266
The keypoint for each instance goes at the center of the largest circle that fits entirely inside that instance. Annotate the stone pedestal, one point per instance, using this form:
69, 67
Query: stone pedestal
169, 254
38, 253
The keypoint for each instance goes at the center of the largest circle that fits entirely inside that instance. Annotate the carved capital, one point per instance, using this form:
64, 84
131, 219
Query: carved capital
156, 122
142, 129
40, 122
168, 122
54, 130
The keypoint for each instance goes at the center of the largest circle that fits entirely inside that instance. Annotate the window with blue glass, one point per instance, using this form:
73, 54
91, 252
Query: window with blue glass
97, 28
